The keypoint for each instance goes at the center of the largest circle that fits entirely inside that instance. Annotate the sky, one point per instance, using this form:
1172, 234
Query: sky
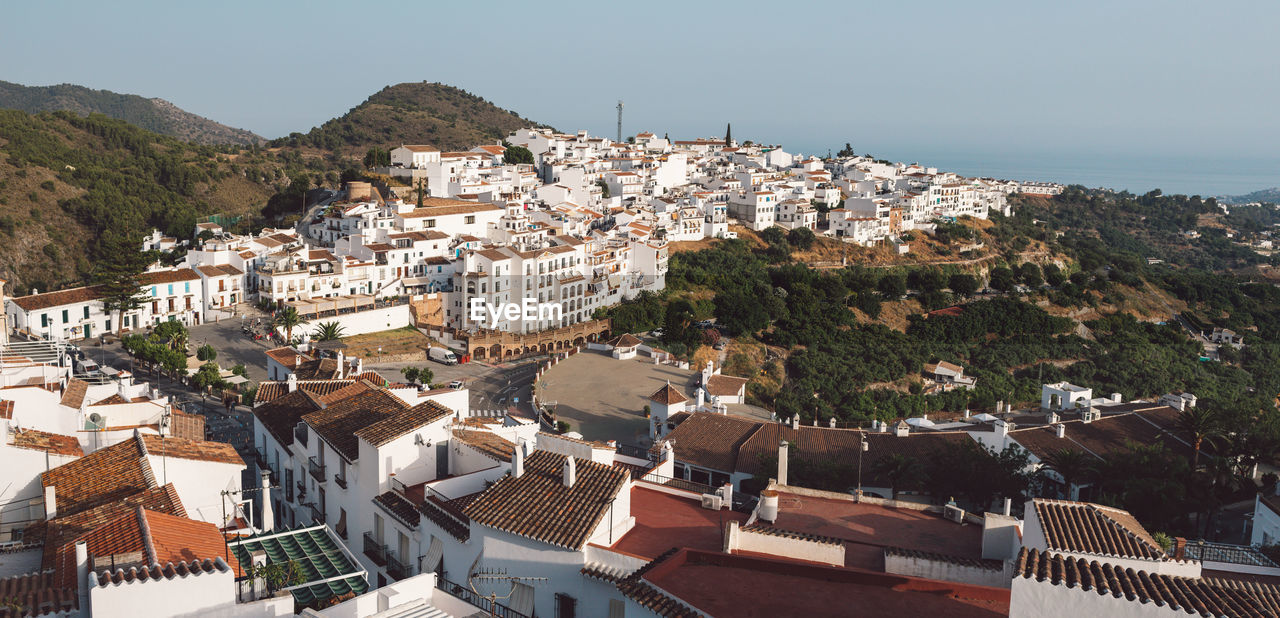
994, 85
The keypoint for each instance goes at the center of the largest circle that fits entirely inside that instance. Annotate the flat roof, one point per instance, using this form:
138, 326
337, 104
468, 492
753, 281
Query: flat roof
664, 521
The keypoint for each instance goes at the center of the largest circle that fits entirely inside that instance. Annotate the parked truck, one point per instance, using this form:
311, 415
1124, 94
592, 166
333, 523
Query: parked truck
442, 355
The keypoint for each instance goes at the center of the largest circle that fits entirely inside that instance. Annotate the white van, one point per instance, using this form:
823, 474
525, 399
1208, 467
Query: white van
442, 355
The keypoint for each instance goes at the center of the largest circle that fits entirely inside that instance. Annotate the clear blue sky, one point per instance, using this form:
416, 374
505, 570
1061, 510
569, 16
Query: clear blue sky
942, 79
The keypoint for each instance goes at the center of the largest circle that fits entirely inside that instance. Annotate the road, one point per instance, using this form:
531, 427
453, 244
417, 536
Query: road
492, 387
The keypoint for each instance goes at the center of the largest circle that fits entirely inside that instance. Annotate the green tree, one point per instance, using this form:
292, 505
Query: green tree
1073, 465
517, 155
1198, 426
418, 375
206, 353
964, 285
604, 189
171, 334
1031, 275
801, 238
377, 157
410, 374
328, 331
900, 470
208, 376
1002, 278
288, 318
892, 286
119, 273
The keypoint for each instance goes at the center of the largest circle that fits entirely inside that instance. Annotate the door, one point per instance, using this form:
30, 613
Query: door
442, 459
86, 331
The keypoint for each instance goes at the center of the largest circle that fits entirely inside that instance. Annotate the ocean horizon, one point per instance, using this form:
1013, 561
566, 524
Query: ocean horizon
1204, 176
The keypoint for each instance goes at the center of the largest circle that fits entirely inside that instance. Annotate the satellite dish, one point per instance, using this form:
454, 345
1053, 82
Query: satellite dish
95, 418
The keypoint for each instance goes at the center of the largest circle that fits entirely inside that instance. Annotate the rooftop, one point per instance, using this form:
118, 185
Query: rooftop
665, 521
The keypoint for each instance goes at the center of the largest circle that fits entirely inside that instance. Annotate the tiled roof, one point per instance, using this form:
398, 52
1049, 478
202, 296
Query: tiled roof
403, 422
168, 276
113, 400
188, 426
1109, 434
1192, 595
104, 476
399, 507
170, 570
1083, 527
625, 340
36, 594
321, 369
36, 302
712, 441
53, 443
538, 505
73, 396
837, 446
725, 386
761, 528
668, 395
487, 443
338, 423
433, 207
200, 450
282, 414
286, 356
271, 390
60, 534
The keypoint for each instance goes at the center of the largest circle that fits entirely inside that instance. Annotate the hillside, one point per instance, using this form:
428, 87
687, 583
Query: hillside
65, 179
156, 115
412, 113
1271, 196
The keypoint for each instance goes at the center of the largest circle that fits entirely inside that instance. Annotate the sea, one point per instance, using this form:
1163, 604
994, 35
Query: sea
1189, 175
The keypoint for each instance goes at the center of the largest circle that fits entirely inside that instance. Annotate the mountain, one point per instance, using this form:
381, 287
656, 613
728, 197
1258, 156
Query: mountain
1271, 195
66, 180
156, 115
413, 113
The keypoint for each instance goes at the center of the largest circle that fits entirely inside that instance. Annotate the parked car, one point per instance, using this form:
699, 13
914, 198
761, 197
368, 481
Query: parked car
720, 345
456, 385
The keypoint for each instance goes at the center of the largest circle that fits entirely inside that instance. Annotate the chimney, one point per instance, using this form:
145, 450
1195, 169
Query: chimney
1002, 428
293, 382
50, 502
342, 366
1060, 429
782, 462
297, 360
832, 424
268, 517
1008, 506
966, 412
1179, 548
570, 471
82, 575
359, 368
795, 422
517, 460
902, 429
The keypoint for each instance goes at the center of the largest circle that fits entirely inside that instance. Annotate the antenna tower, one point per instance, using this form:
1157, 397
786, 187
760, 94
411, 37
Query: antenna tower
619, 120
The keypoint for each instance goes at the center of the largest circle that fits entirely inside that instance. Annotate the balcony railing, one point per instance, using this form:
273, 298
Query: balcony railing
300, 434
302, 490
316, 469
341, 480
317, 512
465, 593
396, 569
374, 550
260, 455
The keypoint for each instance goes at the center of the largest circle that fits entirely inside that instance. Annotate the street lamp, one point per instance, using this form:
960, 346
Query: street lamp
863, 448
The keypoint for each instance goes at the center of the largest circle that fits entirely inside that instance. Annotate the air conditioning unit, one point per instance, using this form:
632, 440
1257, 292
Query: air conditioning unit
712, 502
954, 513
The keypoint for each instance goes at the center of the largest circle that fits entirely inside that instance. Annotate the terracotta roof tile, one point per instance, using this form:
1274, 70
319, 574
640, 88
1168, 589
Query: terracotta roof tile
725, 386
200, 450
73, 397
64, 530
36, 594
188, 426
489, 444
668, 395
1083, 527
712, 440
403, 422
282, 414
538, 505
56, 444
1191, 595
104, 476
338, 423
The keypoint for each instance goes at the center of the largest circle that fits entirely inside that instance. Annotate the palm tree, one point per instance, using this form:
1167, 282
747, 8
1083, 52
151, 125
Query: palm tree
1198, 426
329, 331
288, 319
1074, 466
899, 469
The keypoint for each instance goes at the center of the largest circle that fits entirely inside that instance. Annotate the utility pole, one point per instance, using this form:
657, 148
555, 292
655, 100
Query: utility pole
619, 121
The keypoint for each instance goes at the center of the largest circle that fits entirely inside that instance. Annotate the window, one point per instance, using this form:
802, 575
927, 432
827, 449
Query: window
170, 289
617, 608
431, 223
470, 219
377, 528
64, 316
186, 287
566, 606
44, 320
86, 312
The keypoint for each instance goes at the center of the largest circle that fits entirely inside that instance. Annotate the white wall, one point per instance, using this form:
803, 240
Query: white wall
199, 483
1266, 524
371, 321
796, 548
1029, 597
916, 566
194, 594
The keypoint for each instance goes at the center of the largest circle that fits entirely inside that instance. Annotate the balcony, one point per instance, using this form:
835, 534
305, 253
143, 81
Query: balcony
341, 480
396, 569
316, 469
300, 434
260, 457
317, 512
377, 552
302, 490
